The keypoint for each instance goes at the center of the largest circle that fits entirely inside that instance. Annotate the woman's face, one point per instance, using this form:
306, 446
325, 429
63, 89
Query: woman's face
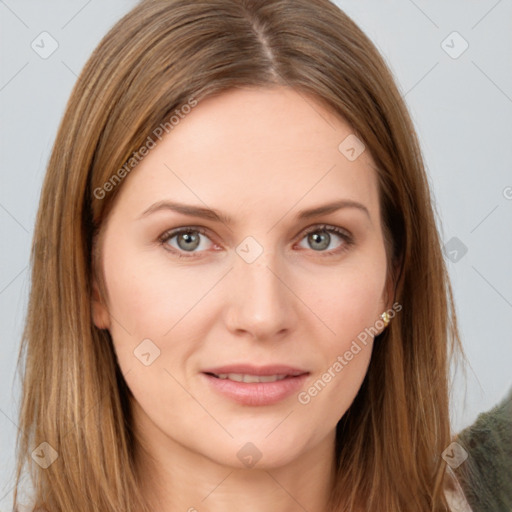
261, 290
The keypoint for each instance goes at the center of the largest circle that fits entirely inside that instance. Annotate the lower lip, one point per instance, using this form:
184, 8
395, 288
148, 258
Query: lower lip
257, 393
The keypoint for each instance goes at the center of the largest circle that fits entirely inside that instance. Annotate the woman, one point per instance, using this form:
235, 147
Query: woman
239, 299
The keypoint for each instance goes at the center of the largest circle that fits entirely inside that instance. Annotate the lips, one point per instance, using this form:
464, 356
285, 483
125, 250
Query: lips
255, 385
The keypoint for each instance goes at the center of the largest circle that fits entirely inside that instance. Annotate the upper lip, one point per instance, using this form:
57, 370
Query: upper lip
249, 369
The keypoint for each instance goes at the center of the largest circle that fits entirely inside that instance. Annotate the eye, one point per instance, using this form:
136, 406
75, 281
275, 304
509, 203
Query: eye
187, 240
320, 238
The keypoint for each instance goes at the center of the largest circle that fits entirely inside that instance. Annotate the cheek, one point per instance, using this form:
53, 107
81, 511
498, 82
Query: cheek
345, 355
349, 305
151, 308
348, 301
148, 297
330, 394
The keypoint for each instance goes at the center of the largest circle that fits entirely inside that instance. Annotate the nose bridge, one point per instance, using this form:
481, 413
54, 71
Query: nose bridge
259, 300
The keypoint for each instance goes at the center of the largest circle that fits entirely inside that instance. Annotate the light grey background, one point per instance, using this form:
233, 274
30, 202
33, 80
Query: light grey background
462, 109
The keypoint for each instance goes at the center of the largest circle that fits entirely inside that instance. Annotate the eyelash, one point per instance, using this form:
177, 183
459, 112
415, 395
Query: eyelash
348, 241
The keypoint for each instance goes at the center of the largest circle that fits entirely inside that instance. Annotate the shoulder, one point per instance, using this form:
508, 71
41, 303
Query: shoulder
486, 475
455, 497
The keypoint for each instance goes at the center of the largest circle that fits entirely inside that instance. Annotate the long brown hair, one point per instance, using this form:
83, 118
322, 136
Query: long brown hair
153, 62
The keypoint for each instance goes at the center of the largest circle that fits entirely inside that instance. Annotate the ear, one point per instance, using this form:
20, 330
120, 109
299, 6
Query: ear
100, 315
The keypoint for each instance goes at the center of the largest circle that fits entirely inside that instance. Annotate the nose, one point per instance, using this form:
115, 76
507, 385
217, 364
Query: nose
260, 300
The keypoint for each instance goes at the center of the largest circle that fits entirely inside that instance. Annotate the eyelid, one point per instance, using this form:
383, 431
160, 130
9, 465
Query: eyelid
326, 227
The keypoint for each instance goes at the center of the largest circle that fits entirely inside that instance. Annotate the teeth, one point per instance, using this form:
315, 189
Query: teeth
241, 377
250, 378
268, 378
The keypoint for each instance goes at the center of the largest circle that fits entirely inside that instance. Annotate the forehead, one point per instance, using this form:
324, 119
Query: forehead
247, 149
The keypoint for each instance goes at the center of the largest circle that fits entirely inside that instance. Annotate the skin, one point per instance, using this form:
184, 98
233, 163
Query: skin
259, 156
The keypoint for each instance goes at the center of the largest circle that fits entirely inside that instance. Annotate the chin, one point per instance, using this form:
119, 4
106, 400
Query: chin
260, 452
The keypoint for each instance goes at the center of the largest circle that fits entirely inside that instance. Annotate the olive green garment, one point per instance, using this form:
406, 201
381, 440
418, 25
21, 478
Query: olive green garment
486, 475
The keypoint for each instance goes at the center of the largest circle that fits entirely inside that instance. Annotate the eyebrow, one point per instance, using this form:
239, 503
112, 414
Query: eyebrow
215, 215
